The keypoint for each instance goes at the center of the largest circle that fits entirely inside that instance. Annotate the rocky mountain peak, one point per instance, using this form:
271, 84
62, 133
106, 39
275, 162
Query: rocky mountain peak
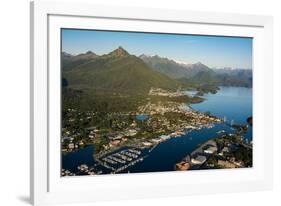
120, 51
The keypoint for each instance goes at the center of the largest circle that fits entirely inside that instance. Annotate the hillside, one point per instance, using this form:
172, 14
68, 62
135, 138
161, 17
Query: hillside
205, 77
118, 72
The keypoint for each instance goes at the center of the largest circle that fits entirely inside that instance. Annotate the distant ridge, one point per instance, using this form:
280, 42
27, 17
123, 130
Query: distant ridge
172, 68
70, 61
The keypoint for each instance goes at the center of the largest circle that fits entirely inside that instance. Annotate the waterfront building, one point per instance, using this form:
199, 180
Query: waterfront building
71, 146
199, 159
211, 150
164, 137
147, 144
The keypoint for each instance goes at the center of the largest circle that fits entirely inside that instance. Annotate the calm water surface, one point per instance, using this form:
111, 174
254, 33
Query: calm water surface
234, 103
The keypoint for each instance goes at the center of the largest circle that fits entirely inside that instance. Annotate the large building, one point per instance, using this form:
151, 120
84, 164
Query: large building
211, 150
198, 160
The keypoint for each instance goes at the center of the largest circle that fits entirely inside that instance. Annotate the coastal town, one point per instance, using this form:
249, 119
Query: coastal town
123, 139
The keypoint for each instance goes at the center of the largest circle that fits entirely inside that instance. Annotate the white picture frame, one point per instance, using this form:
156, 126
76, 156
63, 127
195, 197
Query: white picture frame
46, 185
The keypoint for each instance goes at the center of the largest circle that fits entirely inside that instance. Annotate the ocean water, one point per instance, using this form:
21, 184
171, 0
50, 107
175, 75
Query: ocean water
234, 103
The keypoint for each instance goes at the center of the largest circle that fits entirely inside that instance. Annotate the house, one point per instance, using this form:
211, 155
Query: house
220, 154
156, 140
131, 132
83, 167
71, 146
134, 124
106, 146
66, 138
225, 150
115, 142
118, 137
124, 139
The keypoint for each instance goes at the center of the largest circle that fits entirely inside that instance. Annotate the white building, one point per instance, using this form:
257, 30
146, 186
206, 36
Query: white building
147, 144
198, 160
211, 150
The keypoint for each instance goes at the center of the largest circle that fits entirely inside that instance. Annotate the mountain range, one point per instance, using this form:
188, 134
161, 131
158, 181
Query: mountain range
117, 71
172, 68
120, 71
199, 73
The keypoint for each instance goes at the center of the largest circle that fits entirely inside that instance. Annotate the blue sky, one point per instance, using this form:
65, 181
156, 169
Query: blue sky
214, 51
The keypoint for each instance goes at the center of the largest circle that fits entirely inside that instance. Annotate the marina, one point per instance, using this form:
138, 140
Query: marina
119, 161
